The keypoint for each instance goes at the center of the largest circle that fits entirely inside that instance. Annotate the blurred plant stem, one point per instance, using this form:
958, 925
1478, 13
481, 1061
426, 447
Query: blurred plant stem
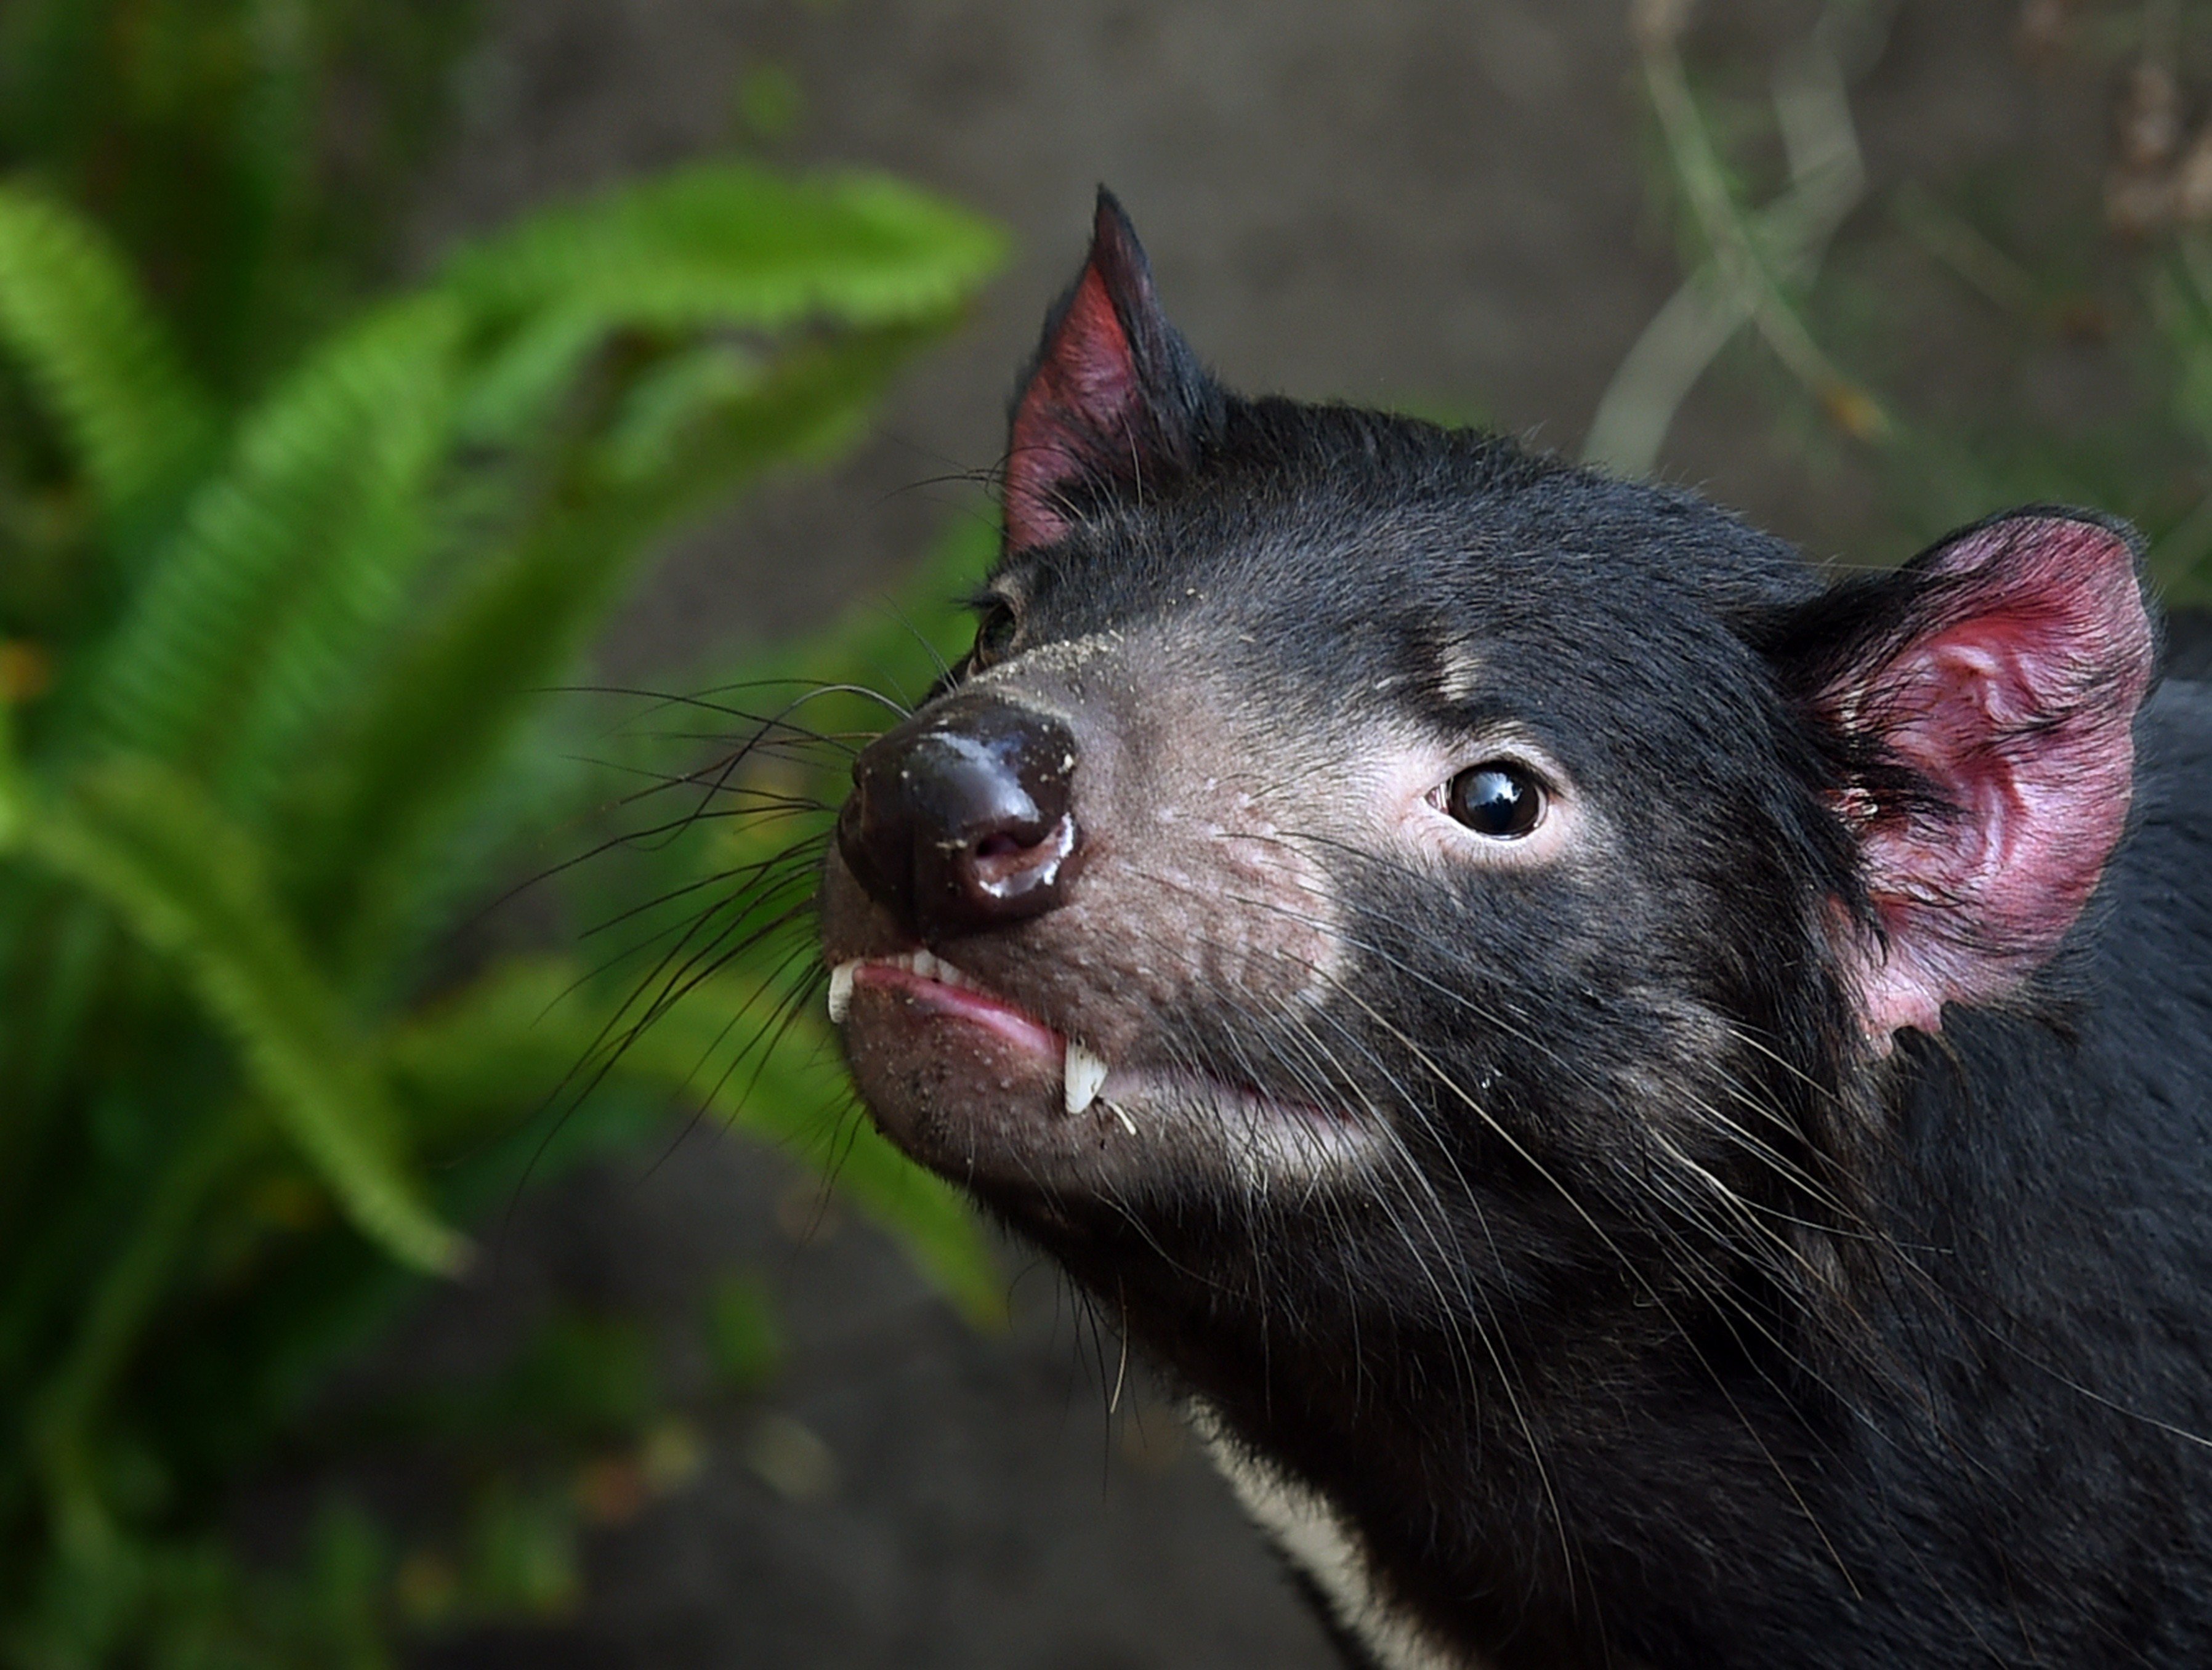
2145, 453
1753, 261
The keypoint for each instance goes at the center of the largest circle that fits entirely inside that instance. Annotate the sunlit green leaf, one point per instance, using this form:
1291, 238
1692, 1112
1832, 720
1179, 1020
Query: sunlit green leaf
150, 847
726, 246
71, 314
302, 548
441, 719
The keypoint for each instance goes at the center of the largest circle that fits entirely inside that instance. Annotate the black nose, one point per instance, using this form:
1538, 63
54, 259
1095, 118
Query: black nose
958, 821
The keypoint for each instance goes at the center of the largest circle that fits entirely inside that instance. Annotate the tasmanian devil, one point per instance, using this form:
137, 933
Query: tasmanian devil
1656, 1107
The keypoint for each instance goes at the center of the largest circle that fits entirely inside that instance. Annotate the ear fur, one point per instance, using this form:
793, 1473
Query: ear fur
1980, 704
1113, 400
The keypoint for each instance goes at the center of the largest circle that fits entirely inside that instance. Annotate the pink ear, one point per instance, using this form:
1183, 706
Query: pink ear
1114, 398
2008, 688
1083, 395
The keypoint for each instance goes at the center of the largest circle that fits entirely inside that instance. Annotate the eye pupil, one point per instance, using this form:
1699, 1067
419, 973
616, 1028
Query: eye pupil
1496, 798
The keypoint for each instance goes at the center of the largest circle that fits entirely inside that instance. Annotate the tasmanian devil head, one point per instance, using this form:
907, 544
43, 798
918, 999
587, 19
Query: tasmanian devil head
1421, 929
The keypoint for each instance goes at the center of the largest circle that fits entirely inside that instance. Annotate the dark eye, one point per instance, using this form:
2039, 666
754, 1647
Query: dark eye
1497, 799
995, 635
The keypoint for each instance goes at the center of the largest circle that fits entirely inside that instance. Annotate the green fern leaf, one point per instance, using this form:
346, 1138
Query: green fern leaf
724, 245
436, 728
292, 561
71, 314
718, 246
190, 885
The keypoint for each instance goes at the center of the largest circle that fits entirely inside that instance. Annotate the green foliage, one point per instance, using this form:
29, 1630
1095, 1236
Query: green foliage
71, 316
744, 1338
248, 154
189, 1606
278, 621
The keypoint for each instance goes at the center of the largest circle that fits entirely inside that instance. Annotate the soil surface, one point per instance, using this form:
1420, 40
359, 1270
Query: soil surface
1441, 203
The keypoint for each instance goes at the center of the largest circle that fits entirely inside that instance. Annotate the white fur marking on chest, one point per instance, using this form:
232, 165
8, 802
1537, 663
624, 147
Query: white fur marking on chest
1313, 1536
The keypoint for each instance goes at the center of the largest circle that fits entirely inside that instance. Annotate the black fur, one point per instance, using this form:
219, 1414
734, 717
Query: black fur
1691, 1330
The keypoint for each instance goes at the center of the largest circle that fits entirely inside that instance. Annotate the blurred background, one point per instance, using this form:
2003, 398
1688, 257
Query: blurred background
454, 459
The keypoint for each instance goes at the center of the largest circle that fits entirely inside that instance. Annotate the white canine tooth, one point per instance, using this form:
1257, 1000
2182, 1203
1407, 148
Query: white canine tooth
1083, 1073
1123, 1113
841, 991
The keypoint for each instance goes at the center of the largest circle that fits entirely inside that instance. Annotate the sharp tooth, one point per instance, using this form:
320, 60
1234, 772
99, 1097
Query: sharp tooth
1123, 1113
1083, 1073
841, 991
925, 965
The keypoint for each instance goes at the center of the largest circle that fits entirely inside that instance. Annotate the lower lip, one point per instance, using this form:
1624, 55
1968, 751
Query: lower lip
1000, 1019
1291, 1140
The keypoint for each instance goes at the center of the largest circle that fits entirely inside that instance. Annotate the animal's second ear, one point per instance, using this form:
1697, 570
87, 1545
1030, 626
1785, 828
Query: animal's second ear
1981, 701
1113, 400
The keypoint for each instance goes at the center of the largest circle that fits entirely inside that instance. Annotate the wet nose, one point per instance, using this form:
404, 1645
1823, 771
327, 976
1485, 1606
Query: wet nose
958, 820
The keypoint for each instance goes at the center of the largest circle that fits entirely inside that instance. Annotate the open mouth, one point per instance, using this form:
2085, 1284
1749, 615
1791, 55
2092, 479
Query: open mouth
924, 978
1200, 1121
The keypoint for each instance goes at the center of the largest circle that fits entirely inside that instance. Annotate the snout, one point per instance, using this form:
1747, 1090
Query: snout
961, 819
